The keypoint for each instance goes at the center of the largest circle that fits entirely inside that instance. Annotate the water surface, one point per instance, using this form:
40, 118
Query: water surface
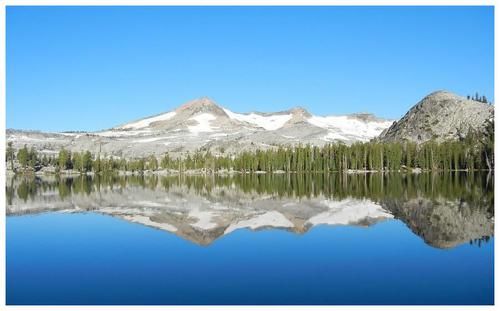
268, 239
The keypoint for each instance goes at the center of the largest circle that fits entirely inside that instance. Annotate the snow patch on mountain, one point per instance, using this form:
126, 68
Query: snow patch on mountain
122, 133
349, 211
144, 220
148, 140
146, 122
332, 136
203, 123
269, 219
219, 135
204, 219
267, 122
349, 126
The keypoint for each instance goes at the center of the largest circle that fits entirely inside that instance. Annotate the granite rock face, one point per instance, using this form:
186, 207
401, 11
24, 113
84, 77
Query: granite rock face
440, 116
443, 223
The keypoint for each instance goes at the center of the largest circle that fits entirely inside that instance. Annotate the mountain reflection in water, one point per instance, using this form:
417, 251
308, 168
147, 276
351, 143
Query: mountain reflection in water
445, 210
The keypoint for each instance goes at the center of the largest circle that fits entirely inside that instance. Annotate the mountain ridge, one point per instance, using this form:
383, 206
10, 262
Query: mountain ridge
201, 124
206, 104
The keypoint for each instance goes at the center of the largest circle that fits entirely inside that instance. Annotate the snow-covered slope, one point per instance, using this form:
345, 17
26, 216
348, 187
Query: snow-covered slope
268, 122
345, 127
349, 211
147, 122
272, 219
202, 124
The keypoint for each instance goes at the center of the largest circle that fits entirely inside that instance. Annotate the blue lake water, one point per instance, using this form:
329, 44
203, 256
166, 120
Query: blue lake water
89, 257
95, 259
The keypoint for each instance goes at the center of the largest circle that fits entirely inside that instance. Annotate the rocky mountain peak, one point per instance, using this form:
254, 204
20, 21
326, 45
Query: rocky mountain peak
299, 111
365, 117
441, 95
441, 115
298, 115
438, 98
200, 105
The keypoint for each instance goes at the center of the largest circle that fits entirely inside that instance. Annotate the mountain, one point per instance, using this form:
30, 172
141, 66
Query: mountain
203, 215
442, 223
441, 116
201, 124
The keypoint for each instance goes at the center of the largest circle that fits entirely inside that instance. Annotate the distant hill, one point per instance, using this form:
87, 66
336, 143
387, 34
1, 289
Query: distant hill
441, 116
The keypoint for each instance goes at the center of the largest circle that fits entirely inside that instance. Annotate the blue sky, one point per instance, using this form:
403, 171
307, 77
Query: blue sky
91, 68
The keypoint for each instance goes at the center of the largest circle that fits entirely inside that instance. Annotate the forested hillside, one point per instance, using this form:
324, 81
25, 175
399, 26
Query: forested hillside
474, 152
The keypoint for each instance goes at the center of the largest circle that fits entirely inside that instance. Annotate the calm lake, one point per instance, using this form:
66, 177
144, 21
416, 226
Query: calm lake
251, 239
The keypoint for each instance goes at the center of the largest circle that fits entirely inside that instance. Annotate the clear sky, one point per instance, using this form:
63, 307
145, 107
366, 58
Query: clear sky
91, 68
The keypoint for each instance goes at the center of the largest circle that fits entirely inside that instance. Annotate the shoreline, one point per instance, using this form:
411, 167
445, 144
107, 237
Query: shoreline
202, 172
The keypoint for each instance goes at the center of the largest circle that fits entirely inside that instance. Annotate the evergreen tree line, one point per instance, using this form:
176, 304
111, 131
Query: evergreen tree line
478, 98
475, 189
474, 152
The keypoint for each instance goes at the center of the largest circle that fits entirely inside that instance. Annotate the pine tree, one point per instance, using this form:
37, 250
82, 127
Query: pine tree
10, 155
152, 163
87, 161
23, 156
77, 162
96, 165
64, 159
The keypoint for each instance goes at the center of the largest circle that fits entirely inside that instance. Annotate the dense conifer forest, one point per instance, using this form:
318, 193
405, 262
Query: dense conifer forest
475, 151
